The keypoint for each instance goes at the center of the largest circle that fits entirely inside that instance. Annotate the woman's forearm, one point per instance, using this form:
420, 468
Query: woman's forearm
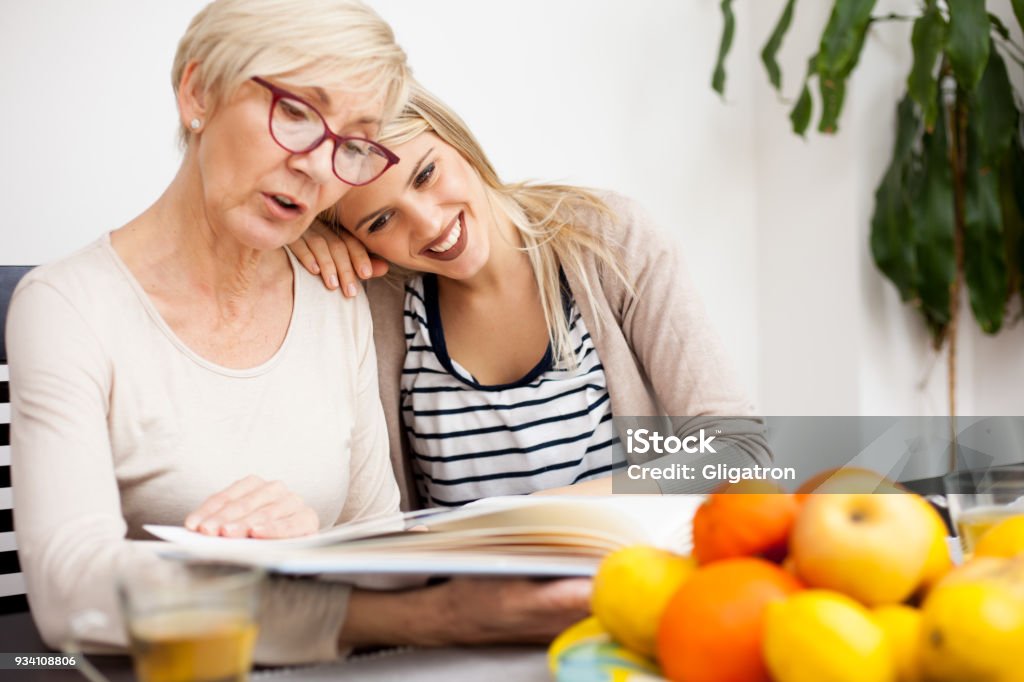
466, 611
411, 617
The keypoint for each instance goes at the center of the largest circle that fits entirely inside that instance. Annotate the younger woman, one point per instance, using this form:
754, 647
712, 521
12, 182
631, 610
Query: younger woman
525, 317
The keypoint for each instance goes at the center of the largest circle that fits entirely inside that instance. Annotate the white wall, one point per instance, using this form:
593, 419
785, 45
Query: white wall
606, 93
603, 93
835, 339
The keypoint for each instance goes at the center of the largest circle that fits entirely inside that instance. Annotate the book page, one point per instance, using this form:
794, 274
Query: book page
520, 535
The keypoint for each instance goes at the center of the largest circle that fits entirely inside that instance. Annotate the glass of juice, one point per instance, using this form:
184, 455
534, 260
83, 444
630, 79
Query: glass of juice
980, 498
191, 622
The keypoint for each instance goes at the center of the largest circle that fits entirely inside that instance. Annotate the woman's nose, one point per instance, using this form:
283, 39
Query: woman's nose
318, 165
424, 219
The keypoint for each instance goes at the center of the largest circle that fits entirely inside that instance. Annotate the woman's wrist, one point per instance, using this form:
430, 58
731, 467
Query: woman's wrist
415, 617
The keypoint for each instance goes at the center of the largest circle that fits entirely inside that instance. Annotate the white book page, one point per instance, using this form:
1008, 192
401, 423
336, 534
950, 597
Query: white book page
509, 535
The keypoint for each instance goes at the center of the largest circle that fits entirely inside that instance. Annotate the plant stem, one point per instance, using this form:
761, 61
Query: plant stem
958, 164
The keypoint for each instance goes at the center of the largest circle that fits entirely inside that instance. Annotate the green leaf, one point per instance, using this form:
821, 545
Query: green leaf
841, 45
994, 112
984, 248
892, 231
843, 37
1018, 9
833, 92
801, 114
718, 79
1012, 195
934, 222
969, 42
998, 26
928, 39
771, 48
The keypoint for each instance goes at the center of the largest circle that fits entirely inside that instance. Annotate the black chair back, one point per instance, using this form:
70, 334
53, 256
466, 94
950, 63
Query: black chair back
12, 583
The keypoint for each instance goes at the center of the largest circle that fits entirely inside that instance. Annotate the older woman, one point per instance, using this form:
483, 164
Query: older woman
182, 368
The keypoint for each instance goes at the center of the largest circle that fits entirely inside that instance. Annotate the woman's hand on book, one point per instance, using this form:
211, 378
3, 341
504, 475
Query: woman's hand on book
339, 259
254, 508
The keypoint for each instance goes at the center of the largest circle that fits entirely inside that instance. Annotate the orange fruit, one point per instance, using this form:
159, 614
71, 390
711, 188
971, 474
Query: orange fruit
712, 628
736, 524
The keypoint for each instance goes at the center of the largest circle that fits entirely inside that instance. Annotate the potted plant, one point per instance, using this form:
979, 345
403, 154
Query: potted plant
949, 211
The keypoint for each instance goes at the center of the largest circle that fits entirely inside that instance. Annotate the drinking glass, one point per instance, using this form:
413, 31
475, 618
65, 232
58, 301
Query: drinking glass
186, 622
980, 498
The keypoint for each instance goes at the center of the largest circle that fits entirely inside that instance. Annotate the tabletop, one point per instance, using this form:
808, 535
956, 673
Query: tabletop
18, 634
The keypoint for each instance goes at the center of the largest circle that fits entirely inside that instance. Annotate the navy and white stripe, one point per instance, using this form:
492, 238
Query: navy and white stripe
552, 427
12, 581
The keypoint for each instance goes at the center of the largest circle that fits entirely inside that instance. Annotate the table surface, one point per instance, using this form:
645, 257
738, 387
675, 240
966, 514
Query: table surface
18, 634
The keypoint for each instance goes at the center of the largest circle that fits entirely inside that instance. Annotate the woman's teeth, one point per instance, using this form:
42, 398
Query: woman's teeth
284, 201
453, 237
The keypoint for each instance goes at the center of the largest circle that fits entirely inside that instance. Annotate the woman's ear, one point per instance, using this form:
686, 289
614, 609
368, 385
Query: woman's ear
192, 98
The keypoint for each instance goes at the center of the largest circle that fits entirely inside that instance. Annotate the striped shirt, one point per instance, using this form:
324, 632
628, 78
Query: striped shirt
552, 427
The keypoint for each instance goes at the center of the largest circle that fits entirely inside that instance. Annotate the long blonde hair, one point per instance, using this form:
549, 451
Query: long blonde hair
555, 222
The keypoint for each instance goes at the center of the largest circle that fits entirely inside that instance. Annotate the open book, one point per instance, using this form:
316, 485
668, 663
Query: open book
523, 535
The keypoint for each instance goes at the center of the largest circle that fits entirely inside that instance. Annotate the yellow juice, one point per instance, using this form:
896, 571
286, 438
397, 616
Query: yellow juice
973, 523
197, 645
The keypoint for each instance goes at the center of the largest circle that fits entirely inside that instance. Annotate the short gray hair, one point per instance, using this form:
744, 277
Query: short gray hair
328, 43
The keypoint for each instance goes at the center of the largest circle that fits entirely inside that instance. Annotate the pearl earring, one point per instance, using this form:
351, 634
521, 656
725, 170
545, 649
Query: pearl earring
195, 123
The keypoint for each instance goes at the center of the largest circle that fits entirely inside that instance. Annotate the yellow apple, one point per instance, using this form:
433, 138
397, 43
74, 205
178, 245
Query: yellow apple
877, 548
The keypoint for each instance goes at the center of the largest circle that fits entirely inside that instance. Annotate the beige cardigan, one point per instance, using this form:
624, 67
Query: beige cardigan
660, 354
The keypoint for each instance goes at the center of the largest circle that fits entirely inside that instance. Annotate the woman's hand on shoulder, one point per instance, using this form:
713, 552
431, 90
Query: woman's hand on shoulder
339, 260
254, 508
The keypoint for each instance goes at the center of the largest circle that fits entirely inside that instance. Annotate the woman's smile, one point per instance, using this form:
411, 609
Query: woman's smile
452, 241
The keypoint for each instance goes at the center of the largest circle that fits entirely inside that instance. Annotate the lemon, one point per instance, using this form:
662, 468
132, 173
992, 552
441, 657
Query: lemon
1005, 539
818, 635
973, 623
631, 590
902, 627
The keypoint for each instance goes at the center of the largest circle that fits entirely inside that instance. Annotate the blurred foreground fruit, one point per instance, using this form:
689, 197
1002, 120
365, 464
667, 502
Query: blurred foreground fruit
877, 548
1005, 539
750, 518
818, 635
631, 589
902, 627
973, 623
586, 651
587, 630
712, 629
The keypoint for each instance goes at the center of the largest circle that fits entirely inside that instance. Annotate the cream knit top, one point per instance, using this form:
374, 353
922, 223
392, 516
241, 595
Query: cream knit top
117, 423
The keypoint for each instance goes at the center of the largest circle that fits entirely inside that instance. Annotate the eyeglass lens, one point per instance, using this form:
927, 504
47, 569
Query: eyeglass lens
298, 127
